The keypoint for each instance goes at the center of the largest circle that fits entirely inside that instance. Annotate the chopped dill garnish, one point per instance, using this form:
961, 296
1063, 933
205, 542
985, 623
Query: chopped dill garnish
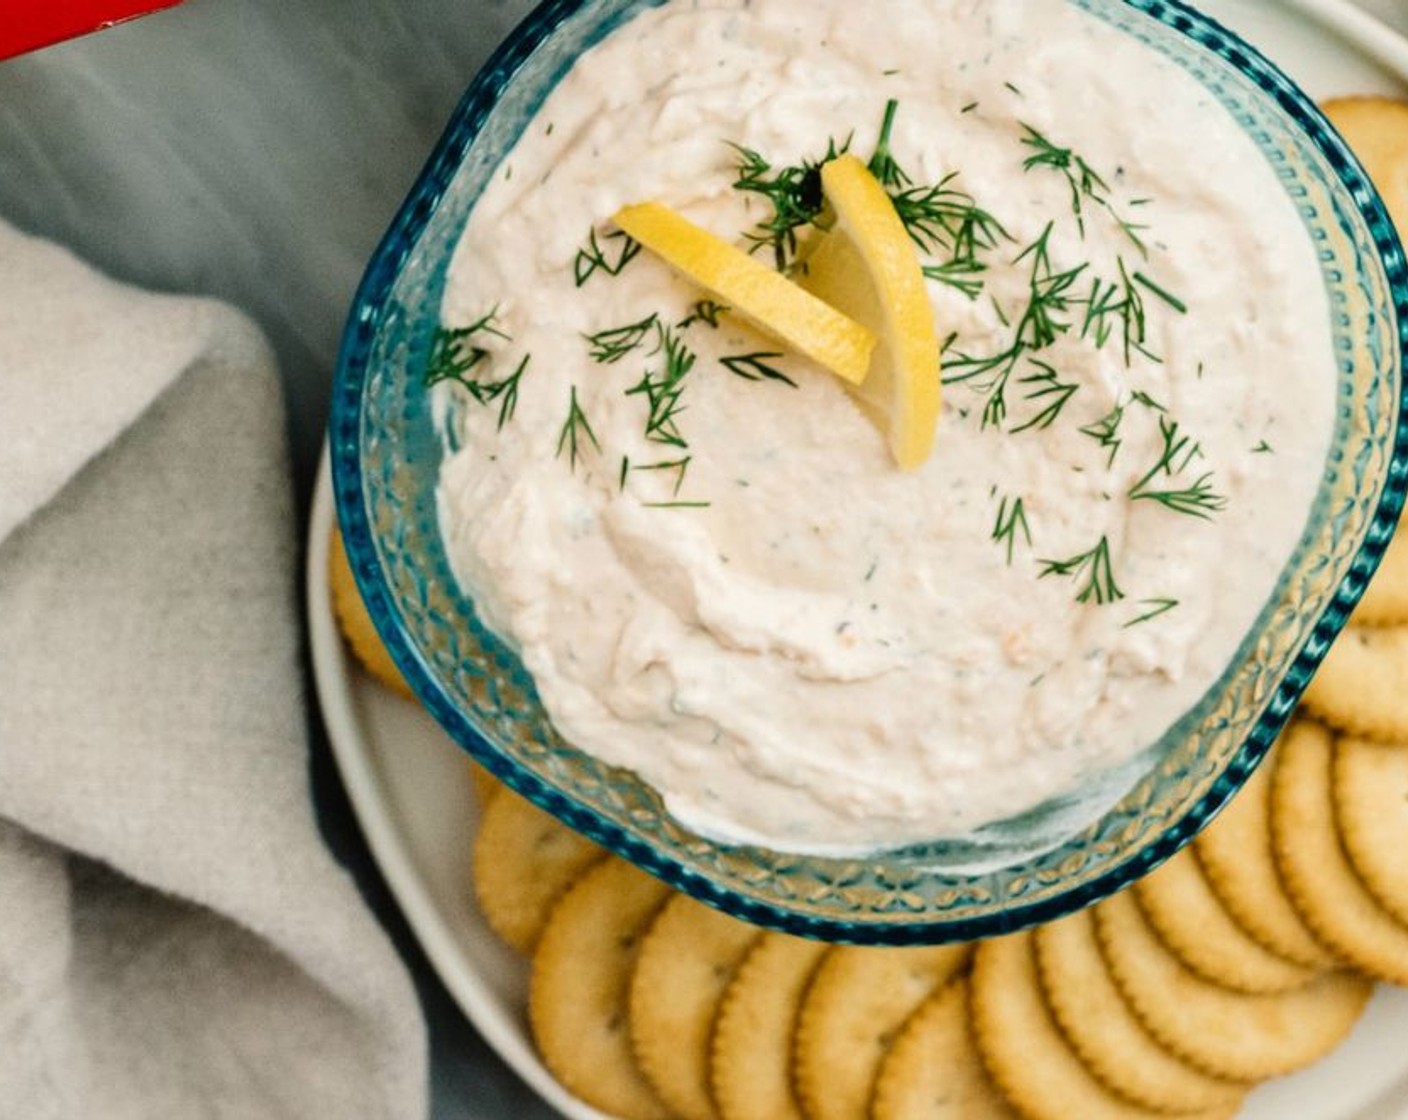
756, 366
1011, 520
1046, 386
679, 466
882, 162
1263, 448
1086, 184
941, 217
1094, 567
704, 311
625, 470
677, 505
663, 390
794, 193
1014, 89
505, 391
1163, 294
1197, 499
969, 107
453, 354
1105, 432
961, 275
1039, 326
1042, 322
1156, 607
615, 343
1117, 303
593, 257
573, 428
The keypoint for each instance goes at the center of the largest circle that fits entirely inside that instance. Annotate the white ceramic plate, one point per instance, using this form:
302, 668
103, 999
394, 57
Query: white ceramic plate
410, 787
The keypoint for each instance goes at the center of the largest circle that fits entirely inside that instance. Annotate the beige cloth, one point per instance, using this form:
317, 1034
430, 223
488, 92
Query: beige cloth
175, 938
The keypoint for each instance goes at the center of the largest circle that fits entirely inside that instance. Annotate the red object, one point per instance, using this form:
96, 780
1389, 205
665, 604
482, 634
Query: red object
28, 24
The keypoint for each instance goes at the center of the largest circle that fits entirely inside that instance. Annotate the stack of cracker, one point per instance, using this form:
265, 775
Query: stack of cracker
1247, 956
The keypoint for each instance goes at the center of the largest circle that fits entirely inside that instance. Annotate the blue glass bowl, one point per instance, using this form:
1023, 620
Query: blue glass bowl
385, 453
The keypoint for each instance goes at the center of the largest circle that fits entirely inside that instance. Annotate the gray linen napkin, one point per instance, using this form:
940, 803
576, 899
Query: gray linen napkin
175, 939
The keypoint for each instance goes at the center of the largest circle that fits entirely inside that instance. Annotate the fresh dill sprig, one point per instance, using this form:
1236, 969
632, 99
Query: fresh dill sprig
793, 192
1177, 452
1011, 520
1094, 567
704, 311
505, 391
1046, 386
593, 257
1197, 499
663, 389
756, 366
573, 428
1156, 607
941, 217
679, 466
882, 161
1163, 293
453, 353
615, 343
964, 276
1086, 184
1040, 324
1106, 432
1120, 304
1043, 321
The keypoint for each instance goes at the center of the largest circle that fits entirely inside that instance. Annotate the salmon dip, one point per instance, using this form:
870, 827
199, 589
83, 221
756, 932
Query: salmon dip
701, 547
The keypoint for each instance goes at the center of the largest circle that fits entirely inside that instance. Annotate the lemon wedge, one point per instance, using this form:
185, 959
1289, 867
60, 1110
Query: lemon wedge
866, 266
774, 304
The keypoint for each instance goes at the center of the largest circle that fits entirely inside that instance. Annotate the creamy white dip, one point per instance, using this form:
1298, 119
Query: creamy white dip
798, 644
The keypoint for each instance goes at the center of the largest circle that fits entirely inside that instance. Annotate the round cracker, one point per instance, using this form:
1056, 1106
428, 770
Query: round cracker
686, 962
1105, 1032
1360, 688
1376, 129
356, 625
933, 1071
1371, 806
855, 1006
1330, 896
525, 860
577, 998
1023, 1049
750, 1069
1224, 1033
486, 786
1385, 601
1191, 922
1235, 853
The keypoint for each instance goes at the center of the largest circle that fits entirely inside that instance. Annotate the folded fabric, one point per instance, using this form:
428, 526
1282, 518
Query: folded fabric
175, 938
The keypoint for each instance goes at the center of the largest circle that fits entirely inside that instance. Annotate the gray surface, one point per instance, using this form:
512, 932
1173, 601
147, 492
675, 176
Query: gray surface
255, 150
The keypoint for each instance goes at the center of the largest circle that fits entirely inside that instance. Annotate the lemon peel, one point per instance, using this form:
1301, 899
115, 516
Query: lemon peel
865, 265
774, 304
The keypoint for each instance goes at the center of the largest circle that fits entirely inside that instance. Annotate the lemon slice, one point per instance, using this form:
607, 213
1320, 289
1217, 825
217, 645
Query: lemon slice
769, 300
866, 265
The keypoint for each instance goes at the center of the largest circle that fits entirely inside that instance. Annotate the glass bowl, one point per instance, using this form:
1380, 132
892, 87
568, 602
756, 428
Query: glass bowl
385, 450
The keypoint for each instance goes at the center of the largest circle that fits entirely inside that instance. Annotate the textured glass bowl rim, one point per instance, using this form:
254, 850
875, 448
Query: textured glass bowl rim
351, 373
